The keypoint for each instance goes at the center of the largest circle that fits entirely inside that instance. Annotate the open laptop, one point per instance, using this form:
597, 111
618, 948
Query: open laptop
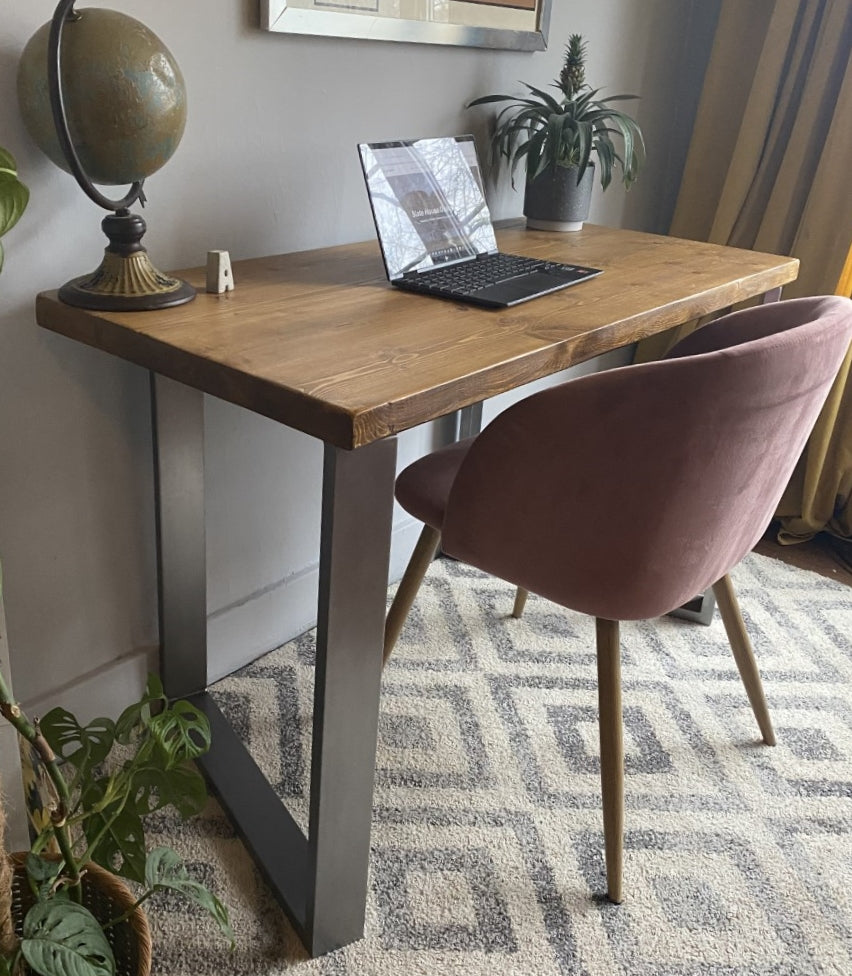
435, 229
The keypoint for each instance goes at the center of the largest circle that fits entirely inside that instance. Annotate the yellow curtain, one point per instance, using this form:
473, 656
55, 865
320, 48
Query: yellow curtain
844, 286
819, 496
769, 168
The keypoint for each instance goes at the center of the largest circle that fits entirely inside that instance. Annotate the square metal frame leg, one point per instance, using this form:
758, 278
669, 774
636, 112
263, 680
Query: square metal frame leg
178, 428
321, 880
357, 514
699, 610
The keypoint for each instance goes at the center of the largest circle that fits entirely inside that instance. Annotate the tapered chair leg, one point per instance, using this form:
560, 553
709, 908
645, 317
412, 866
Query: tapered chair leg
424, 553
612, 752
520, 601
729, 610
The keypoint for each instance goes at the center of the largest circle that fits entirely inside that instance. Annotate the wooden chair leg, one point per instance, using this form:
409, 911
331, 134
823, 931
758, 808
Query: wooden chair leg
729, 610
612, 752
424, 553
520, 601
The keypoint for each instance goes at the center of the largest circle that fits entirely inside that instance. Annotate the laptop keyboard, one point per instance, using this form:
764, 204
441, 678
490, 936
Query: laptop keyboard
471, 276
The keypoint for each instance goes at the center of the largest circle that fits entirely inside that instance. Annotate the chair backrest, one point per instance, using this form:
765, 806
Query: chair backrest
625, 493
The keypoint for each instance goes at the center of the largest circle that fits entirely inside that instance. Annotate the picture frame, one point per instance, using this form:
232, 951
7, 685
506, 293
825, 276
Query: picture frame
518, 25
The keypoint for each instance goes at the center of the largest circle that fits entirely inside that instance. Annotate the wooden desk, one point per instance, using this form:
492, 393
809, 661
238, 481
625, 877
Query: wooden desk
318, 341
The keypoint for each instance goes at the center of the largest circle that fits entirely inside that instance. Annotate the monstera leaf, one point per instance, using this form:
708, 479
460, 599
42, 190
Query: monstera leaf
62, 938
42, 873
164, 869
182, 787
136, 718
115, 834
182, 733
84, 746
99, 801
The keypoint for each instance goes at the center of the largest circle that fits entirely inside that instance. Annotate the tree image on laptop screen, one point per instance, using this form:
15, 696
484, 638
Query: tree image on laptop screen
428, 203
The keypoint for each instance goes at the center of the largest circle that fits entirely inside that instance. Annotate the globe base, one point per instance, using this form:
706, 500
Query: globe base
118, 289
125, 280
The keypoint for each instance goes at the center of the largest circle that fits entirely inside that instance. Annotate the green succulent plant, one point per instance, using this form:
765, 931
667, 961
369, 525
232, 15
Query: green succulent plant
14, 196
546, 131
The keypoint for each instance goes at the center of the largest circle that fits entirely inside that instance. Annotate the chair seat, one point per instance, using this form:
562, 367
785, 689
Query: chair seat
424, 486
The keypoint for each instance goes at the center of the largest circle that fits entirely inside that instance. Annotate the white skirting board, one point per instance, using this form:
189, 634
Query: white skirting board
106, 690
239, 634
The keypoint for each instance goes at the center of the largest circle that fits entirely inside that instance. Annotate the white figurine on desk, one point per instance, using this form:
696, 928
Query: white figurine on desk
220, 278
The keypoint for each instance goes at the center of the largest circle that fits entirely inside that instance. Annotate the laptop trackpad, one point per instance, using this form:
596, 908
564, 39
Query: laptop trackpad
529, 286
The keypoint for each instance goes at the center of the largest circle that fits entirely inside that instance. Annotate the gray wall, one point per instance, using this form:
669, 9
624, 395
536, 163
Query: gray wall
267, 165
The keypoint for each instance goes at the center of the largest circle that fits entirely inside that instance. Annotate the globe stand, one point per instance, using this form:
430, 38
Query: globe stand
125, 281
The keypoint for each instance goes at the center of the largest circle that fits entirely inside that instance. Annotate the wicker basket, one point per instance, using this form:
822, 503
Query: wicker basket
106, 896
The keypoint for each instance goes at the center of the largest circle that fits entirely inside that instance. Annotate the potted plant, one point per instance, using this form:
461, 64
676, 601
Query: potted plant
74, 916
556, 135
13, 196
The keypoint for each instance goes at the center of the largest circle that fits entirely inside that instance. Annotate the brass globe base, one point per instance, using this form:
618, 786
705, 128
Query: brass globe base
126, 284
126, 281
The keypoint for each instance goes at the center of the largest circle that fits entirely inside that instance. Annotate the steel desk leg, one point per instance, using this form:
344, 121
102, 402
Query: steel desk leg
321, 880
354, 554
469, 421
178, 427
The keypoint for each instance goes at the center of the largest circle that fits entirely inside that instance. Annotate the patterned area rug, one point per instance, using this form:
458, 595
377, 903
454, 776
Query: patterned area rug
487, 837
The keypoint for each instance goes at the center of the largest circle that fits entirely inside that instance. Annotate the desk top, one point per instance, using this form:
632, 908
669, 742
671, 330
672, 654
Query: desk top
319, 341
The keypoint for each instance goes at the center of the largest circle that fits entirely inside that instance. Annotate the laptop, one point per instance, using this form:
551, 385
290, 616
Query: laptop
435, 230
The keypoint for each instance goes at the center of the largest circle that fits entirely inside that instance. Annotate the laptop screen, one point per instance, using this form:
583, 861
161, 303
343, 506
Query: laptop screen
428, 202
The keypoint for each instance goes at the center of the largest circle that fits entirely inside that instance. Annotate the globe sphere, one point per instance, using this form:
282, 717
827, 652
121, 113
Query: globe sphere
124, 95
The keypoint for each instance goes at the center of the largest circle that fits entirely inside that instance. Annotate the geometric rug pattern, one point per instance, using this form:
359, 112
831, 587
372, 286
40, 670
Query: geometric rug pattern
487, 838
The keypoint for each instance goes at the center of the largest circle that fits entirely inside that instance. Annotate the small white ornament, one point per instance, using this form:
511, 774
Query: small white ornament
220, 278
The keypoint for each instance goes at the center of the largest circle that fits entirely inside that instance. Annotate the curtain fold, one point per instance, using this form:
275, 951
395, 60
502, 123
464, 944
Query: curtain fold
768, 169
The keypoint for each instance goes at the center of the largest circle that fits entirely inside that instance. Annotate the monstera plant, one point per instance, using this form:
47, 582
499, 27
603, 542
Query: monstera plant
14, 196
98, 782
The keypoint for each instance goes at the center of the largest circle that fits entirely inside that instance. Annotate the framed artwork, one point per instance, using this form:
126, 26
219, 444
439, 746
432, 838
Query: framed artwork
519, 25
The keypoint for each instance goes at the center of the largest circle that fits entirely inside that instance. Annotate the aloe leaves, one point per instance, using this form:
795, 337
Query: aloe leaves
545, 132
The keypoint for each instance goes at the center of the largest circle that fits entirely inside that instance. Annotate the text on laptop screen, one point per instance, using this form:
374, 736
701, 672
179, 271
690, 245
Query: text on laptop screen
427, 201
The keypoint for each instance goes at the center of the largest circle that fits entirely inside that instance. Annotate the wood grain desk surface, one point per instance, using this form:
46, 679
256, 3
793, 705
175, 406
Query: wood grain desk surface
319, 341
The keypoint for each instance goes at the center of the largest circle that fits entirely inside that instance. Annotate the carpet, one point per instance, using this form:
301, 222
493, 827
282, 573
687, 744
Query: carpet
487, 838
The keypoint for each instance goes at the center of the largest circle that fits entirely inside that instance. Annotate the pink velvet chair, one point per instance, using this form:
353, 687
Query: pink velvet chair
624, 493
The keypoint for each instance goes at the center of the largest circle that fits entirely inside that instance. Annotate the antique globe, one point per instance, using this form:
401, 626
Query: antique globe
104, 99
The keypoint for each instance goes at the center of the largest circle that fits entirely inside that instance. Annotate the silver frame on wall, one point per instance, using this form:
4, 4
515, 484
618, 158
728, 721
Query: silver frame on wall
333, 21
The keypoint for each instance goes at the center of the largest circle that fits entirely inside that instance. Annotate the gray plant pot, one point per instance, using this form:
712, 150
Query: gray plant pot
554, 201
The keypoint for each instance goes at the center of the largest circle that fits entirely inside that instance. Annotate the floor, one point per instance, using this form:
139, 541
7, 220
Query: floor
824, 554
